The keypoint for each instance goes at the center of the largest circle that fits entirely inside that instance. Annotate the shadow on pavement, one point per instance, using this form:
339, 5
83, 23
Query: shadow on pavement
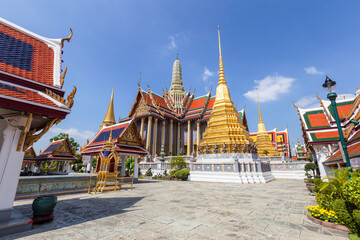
69, 212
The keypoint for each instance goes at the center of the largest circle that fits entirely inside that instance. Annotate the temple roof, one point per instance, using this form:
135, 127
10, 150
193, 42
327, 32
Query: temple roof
124, 135
318, 124
353, 151
58, 150
30, 76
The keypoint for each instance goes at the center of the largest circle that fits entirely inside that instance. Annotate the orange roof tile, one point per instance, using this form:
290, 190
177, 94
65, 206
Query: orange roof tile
333, 134
318, 120
198, 103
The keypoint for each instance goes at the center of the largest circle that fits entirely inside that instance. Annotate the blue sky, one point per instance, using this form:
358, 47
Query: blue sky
284, 48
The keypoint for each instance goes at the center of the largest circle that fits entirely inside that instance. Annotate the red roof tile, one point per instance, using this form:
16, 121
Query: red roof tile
198, 103
42, 58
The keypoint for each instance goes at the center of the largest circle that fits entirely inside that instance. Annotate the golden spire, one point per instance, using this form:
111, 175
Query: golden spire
260, 116
221, 66
224, 126
110, 116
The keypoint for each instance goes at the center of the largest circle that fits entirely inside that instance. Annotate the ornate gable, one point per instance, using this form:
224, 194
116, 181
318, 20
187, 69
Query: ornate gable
139, 106
30, 153
64, 148
131, 136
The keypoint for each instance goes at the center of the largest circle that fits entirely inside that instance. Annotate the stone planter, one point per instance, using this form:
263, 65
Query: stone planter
43, 209
327, 224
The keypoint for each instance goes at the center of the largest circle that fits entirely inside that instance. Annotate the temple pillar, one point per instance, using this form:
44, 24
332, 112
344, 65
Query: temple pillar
163, 133
148, 134
68, 167
154, 152
10, 163
189, 139
57, 166
142, 127
123, 160
179, 139
136, 167
171, 149
198, 134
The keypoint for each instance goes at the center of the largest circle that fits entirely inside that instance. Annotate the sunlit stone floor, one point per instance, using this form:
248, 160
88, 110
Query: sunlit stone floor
184, 210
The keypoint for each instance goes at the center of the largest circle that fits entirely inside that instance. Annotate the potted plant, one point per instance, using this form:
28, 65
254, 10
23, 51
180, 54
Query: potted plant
43, 208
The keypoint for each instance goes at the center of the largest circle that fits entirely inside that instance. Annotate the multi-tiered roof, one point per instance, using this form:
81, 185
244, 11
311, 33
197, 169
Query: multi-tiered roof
319, 126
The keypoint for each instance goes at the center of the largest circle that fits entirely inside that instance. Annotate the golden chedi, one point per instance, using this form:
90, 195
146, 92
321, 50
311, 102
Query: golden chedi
263, 142
224, 132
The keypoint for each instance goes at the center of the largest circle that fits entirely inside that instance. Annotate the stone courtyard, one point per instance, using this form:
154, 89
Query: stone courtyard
184, 210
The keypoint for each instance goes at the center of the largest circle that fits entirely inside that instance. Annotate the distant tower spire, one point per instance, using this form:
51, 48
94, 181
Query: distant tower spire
177, 91
110, 116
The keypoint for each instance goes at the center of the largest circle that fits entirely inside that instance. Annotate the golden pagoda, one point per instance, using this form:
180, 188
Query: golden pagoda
110, 116
224, 132
263, 142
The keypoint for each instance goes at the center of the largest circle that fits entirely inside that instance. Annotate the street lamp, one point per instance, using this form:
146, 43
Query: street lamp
332, 97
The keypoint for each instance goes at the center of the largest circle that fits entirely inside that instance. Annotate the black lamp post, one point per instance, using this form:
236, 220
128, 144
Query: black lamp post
332, 97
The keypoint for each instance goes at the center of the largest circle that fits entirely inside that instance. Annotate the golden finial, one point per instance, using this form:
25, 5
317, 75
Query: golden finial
110, 137
66, 39
260, 116
63, 77
221, 65
110, 116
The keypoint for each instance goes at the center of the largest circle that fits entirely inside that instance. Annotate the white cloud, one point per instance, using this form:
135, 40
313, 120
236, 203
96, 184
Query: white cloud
207, 73
307, 102
312, 70
172, 44
74, 133
270, 88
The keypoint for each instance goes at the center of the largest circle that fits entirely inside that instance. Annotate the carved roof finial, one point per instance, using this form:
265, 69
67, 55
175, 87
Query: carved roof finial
66, 39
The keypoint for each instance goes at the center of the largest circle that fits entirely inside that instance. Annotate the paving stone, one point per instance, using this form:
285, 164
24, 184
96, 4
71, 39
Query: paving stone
184, 210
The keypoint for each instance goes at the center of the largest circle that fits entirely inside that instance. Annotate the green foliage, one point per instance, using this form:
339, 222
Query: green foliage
351, 191
60, 136
310, 167
149, 173
182, 174
172, 173
341, 194
94, 162
177, 163
309, 158
353, 236
129, 165
344, 210
266, 152
318, 182
165, 173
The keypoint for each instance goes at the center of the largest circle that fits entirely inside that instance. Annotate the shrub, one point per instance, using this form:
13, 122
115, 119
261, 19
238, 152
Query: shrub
173, 172
177, 163
318, 183
165, 173
149, 173
310, 167
129, 164
344, 211
183, 174
351, 191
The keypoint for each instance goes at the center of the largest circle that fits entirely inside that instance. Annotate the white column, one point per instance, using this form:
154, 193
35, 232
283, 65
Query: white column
68, 167
57, 166
136, 167
32, 168
10, 164
123, 165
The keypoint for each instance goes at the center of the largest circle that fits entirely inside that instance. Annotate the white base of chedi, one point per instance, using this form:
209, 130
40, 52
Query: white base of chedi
231, 167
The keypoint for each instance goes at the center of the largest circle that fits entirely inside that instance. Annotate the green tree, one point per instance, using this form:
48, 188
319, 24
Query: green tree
60, 136
129, 164
177, 163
